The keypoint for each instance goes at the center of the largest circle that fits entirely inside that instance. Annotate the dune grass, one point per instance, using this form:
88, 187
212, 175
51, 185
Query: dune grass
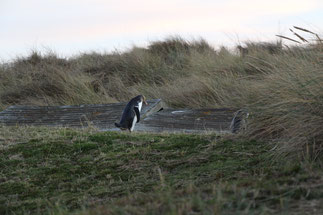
281, 88
63, 171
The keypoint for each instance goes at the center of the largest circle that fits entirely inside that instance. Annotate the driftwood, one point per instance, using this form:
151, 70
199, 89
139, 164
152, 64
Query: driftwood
188, 121
155, 117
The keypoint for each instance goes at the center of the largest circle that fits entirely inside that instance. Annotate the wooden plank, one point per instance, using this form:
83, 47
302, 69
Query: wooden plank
101, 116
188, 121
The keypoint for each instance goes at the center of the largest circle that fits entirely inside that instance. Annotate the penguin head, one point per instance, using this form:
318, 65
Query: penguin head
143, 99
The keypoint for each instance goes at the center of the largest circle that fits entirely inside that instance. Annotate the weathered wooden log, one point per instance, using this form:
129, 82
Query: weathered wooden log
102, 116
188, 121
155, 117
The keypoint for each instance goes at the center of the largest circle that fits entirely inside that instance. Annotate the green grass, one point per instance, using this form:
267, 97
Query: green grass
61, 171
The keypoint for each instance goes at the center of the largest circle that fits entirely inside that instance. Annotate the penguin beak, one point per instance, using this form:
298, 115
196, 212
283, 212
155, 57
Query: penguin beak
144, 100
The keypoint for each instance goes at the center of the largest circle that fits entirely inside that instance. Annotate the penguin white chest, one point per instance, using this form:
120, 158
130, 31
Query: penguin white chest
139, 106
134, 121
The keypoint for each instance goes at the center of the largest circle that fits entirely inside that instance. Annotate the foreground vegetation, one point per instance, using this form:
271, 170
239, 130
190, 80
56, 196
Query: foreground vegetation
59, 171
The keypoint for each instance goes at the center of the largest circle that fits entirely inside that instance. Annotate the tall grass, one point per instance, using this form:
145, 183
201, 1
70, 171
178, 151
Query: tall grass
281, 88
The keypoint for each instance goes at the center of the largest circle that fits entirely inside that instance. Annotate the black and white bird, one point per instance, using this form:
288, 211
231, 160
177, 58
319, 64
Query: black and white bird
131, 113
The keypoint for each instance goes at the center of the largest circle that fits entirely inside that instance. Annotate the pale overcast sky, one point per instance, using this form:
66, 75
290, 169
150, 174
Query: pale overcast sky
69, 27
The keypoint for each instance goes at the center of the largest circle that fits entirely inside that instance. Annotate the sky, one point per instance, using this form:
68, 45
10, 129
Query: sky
71, 27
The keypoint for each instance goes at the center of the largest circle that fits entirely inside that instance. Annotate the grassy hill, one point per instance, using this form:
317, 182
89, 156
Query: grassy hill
274, 166
58, 171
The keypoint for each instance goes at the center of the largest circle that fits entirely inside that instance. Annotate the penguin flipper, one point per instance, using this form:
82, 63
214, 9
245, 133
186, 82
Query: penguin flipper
137, 113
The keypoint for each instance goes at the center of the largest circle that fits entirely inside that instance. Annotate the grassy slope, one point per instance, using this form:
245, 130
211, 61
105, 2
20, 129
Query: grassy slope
282, 90
60, 170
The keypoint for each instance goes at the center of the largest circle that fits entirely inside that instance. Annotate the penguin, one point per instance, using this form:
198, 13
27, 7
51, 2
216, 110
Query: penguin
131, 113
